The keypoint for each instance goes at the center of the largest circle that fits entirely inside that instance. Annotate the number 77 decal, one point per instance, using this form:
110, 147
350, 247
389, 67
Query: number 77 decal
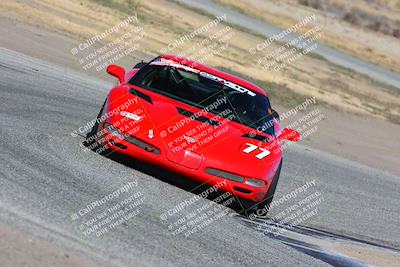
252, 147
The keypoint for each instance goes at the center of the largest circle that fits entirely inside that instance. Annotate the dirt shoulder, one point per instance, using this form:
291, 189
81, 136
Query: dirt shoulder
358, 137
366, 29
18, 248
172, 28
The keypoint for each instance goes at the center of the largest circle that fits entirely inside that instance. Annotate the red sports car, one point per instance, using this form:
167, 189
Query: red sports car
198, 121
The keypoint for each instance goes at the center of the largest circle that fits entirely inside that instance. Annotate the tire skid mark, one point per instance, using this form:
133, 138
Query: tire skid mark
313, 242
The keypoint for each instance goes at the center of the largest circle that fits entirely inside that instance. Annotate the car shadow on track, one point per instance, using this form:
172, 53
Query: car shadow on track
163, 175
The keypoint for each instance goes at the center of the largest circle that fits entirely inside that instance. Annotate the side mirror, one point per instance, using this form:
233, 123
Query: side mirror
117, 71
289, 134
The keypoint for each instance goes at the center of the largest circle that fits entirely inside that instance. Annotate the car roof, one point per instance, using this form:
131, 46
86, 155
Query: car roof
221, 74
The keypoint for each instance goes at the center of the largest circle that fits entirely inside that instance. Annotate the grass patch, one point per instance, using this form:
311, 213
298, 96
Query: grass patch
393, 90
130, 7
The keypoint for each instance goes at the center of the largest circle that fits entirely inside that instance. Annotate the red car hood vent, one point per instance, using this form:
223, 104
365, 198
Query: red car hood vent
141, 95
202, 119
257, 137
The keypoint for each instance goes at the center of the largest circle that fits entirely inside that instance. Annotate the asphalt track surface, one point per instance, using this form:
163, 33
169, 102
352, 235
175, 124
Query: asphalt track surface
333, 55
45, 176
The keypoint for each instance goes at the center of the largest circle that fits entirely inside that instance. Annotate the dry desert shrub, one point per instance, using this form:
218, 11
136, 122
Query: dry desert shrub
358, 16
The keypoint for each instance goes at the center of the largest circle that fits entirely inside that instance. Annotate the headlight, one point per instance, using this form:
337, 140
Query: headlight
113, 130
255, 182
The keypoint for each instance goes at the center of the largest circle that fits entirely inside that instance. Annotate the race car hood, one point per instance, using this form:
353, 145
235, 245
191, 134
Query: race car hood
192, 137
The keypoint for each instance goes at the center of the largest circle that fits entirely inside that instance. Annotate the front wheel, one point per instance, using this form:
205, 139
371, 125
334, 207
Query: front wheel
271, 190
92, 136
250, 206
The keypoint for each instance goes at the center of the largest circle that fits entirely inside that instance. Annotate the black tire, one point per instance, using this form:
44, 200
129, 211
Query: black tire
93, 131
269, 196
250, 206
91, 138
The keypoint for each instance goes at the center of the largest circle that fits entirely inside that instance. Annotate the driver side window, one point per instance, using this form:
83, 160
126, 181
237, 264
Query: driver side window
156, 79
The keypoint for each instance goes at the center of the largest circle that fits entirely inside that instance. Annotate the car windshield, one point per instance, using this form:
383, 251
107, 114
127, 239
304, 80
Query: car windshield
208, 92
